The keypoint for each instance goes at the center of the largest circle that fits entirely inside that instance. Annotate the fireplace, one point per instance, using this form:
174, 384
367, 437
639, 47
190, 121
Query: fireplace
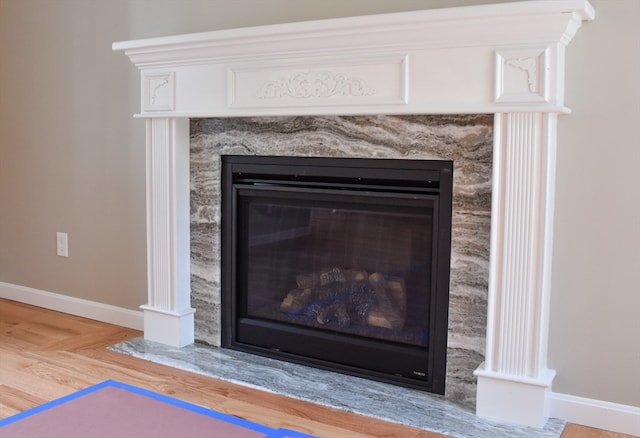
339, 263
506, 60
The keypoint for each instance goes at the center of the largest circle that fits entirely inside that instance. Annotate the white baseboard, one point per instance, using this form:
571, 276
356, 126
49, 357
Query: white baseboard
595, 413
74, 306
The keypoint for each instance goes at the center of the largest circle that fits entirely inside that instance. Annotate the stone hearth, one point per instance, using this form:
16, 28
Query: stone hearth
379, 400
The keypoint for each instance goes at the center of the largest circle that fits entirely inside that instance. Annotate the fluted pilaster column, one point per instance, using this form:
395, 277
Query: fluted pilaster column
168, 316
514, 379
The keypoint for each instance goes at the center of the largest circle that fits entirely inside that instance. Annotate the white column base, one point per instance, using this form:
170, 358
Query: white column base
513, 399
175, 329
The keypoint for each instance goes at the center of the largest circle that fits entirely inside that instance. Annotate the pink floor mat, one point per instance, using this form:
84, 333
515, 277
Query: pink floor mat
114, 409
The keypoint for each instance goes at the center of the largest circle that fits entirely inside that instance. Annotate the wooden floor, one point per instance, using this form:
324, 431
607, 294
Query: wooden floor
45, 355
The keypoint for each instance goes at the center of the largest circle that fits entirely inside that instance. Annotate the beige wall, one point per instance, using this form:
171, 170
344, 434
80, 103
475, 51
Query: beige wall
595, 305
71, 156
72, 159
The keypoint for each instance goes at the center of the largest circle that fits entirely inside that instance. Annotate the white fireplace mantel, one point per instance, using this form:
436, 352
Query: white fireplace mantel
505, 59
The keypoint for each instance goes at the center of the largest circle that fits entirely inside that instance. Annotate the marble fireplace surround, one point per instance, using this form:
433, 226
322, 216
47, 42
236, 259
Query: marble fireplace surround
506, 60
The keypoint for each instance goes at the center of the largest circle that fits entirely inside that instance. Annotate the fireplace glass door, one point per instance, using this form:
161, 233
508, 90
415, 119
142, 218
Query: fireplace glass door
339, 271
336, 261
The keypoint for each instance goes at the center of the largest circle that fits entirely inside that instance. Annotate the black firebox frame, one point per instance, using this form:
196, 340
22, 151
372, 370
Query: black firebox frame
406, 365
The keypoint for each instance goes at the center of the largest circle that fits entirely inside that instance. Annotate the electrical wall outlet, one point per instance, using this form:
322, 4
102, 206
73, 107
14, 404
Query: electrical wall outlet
62, 244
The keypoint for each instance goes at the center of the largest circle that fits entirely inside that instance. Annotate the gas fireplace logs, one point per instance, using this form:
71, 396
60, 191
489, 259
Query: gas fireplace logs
349, 297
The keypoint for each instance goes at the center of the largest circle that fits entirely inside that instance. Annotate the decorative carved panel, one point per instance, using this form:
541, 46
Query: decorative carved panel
158, 92
334, 83
522, 75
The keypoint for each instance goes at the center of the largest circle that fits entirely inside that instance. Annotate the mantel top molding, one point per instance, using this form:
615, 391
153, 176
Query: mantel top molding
523, 22
478, 59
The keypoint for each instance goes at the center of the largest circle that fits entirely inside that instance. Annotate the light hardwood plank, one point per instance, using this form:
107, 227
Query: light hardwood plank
576, 431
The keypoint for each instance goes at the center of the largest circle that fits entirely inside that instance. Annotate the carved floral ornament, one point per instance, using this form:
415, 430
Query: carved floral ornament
529, 66
154, 86
315, 84
159, 92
